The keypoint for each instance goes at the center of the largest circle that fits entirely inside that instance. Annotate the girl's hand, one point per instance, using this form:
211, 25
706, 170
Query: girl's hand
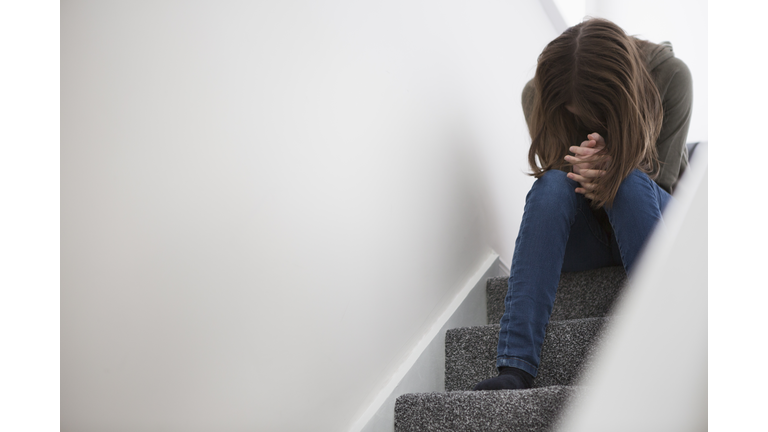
586, 179
585, 154
586, 164
583, 150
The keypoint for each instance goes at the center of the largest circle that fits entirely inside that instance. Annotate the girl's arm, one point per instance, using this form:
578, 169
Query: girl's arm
677, 100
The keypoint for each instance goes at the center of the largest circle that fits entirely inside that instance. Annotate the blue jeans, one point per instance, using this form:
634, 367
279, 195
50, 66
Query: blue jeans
560, 233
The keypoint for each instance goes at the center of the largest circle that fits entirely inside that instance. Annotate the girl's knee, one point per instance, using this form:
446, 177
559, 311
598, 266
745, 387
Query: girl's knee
637, 193
555, 181
637, 182
554, 186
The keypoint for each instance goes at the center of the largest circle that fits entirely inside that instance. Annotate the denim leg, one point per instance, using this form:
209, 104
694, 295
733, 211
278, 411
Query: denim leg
560, 233
635, 212
589, 246
551, 209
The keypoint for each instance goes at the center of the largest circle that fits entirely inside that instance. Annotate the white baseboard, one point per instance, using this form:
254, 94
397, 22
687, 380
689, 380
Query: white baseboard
424, 368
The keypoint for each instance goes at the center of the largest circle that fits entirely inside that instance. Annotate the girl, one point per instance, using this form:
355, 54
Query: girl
595, 201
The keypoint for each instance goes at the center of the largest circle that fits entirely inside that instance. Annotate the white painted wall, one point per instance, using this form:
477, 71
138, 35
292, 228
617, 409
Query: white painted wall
266, 205
682, 22
424, 369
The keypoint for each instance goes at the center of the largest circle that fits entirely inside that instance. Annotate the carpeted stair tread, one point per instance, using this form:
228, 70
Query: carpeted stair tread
470, 353
531, 410
584, 294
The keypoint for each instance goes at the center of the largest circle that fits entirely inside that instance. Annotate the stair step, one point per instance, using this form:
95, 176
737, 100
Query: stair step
584, 294
531, 410
470, 353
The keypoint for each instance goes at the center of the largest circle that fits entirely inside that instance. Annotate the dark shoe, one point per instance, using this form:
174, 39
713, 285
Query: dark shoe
509, 378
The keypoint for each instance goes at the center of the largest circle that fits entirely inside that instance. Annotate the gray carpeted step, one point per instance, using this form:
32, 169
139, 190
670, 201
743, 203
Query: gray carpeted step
531, 410
579, 295
470, 353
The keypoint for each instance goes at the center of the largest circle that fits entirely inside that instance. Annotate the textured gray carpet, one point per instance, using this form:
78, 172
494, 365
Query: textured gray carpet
582, 303
579, 294
470, 353
532, 410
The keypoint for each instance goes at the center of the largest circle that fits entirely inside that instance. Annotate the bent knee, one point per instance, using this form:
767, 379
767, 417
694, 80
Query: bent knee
555, 181
554, 186
636, 183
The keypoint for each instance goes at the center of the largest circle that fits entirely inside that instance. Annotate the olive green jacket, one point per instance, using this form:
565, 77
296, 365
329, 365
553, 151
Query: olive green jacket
673, 80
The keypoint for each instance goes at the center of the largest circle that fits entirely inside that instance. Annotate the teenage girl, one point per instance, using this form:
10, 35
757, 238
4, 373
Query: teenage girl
608, 116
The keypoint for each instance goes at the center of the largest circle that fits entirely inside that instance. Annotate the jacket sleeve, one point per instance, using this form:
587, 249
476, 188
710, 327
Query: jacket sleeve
677, 101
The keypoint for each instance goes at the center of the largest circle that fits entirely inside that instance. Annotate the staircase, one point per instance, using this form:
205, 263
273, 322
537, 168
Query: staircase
581, 309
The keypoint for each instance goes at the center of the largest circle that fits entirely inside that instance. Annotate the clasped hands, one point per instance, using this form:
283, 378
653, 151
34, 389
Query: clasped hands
587, 166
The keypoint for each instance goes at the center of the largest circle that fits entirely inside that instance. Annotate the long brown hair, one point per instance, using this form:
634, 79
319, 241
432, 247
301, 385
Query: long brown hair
600, 71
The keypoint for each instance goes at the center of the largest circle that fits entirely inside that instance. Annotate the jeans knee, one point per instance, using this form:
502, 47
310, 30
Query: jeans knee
554, 182
553, 188
636, 184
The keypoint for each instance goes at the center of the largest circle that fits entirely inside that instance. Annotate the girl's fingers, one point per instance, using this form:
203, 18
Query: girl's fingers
596, 136
582, 151
585, 193
578, 160
574, 159
591, 160
583, 181
578, 167
592, 173
585, 175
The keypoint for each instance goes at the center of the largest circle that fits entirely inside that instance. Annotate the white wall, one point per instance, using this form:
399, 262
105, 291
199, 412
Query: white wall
682, 22
265, 205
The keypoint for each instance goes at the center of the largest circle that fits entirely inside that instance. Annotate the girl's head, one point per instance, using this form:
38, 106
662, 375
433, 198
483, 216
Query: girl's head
594, 78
